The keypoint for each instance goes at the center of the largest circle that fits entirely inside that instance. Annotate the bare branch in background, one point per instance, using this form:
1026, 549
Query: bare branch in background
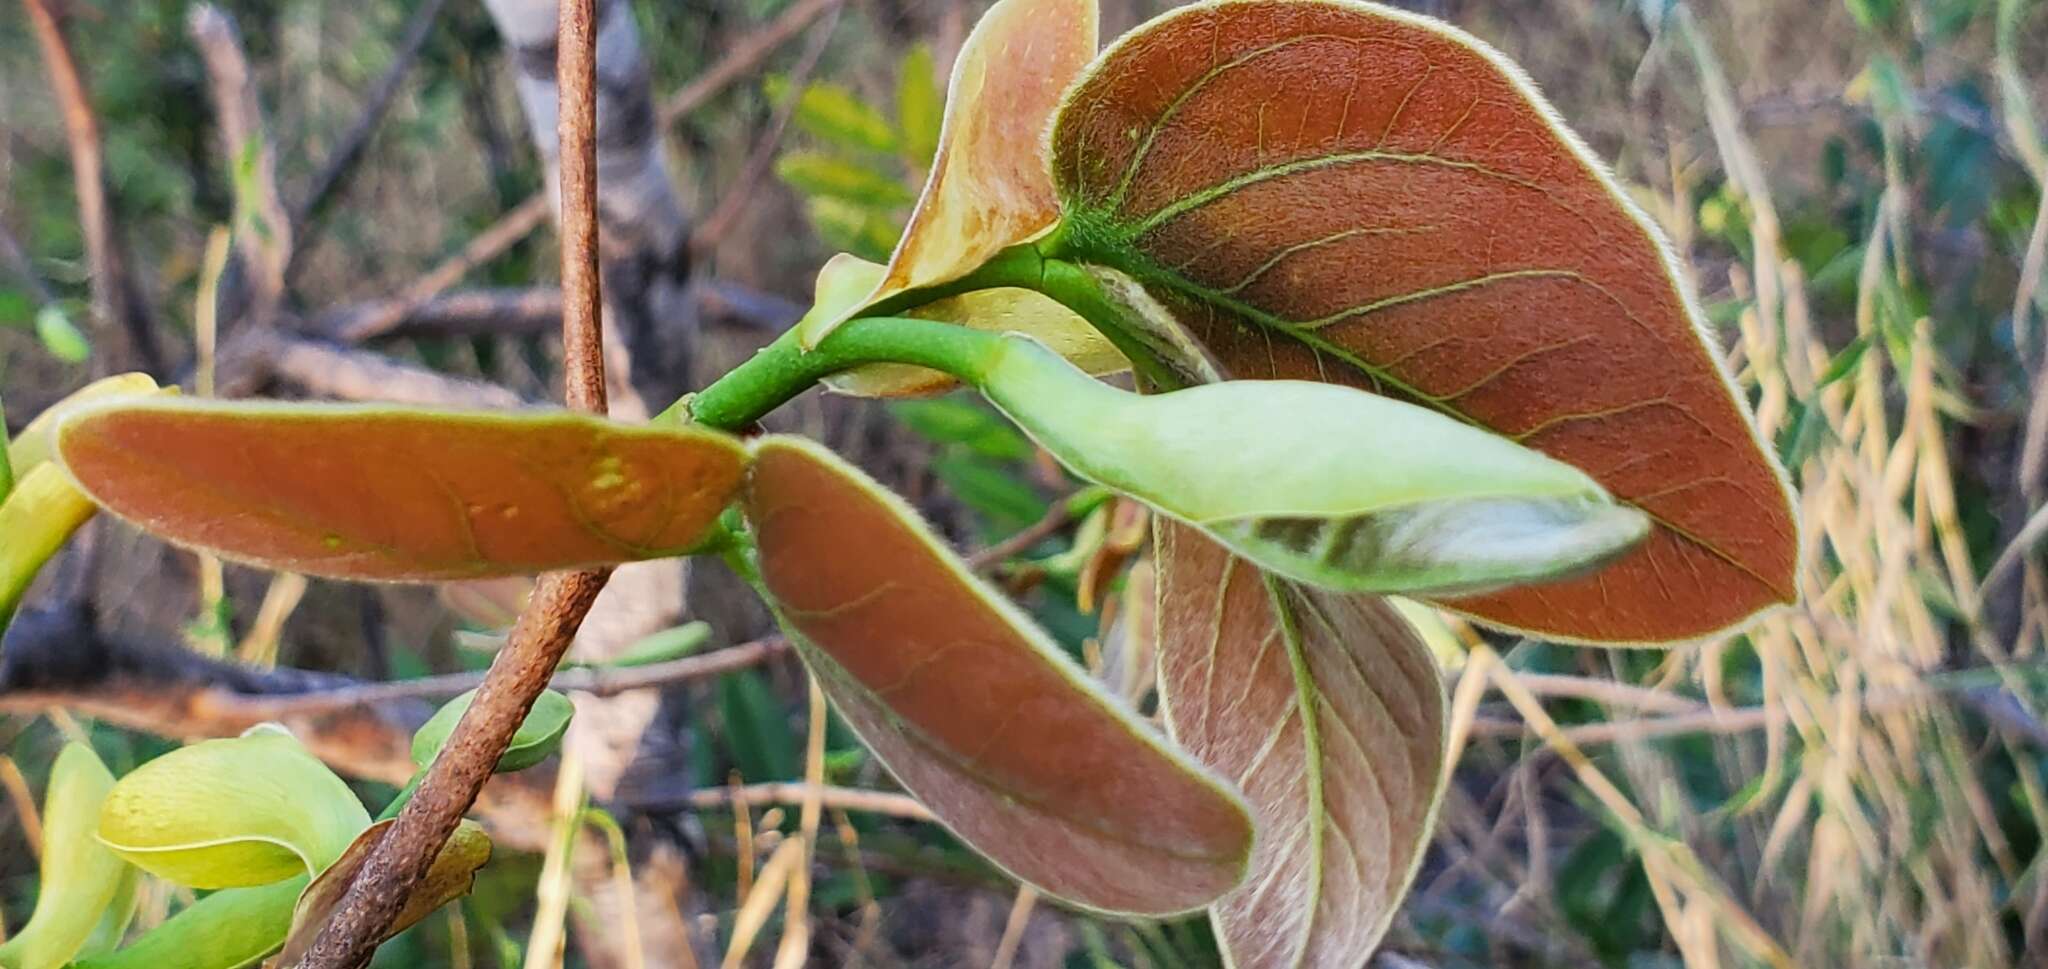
341, 162
477, 312
258, 356
746, 55
596, 682
263, 230
761, 161
56, 659
116, 301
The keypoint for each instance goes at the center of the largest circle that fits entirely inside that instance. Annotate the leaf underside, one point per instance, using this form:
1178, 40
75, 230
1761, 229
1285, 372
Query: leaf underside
973, 710
1325, 189
1328, 712
389, 493
988, 188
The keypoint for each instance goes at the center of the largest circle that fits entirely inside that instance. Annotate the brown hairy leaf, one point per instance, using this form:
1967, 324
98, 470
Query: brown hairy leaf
1331, 190
974, 710
988, 187
1328, 711
392, 493
453, 872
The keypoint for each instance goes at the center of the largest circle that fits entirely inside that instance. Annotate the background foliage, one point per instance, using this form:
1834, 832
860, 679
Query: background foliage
1857, 186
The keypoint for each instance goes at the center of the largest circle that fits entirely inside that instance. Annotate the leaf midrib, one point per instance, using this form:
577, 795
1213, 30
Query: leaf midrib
1097, 239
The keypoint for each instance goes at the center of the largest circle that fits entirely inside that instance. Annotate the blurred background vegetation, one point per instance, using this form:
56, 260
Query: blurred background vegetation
1857, 186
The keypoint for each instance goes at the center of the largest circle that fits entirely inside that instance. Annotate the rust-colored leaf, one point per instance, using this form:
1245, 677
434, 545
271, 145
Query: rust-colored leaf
1331, 190
1327, 710
390, 493
975, 711
988, 187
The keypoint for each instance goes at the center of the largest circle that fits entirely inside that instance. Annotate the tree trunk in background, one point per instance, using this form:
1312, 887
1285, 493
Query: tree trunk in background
650, 324
644, 232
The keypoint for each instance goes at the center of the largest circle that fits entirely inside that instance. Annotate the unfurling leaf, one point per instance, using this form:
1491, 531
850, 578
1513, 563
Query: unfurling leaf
845, 281
83, 884
974, 710
1328, 712
538, 736
391, 493
231, 813
1322, 483
449, 878
36, 519
1329, 190
988, 187
39, 507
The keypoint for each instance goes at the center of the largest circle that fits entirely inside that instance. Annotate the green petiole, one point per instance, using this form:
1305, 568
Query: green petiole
784, 368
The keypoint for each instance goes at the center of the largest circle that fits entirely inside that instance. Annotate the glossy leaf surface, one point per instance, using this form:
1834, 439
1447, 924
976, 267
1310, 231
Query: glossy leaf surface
976, 711
1322, 483
988, 187
389, 493
231, 813
1337, 191
1328, 712
538, 736
450, 877
80, 879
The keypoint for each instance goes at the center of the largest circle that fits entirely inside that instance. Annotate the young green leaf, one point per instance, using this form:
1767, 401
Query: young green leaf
973, 709
1338, 191
82, 882
538, 736
920, 105
36, 519
1322, 483
229, 929
36, 442
846, 280
814, 173
449, 878
1329, 712
393, 493
988, 187
837, 115
232, 813
6, 460
60, 336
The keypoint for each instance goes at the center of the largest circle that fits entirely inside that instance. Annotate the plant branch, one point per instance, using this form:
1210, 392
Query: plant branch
740, 194
349, 149
115, 300
596, 682
785, 369
258, 355
746, 55
561, 599
263, 231
850, 799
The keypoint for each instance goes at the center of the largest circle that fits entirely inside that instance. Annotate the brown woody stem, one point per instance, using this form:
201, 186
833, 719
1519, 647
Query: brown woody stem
548, 623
